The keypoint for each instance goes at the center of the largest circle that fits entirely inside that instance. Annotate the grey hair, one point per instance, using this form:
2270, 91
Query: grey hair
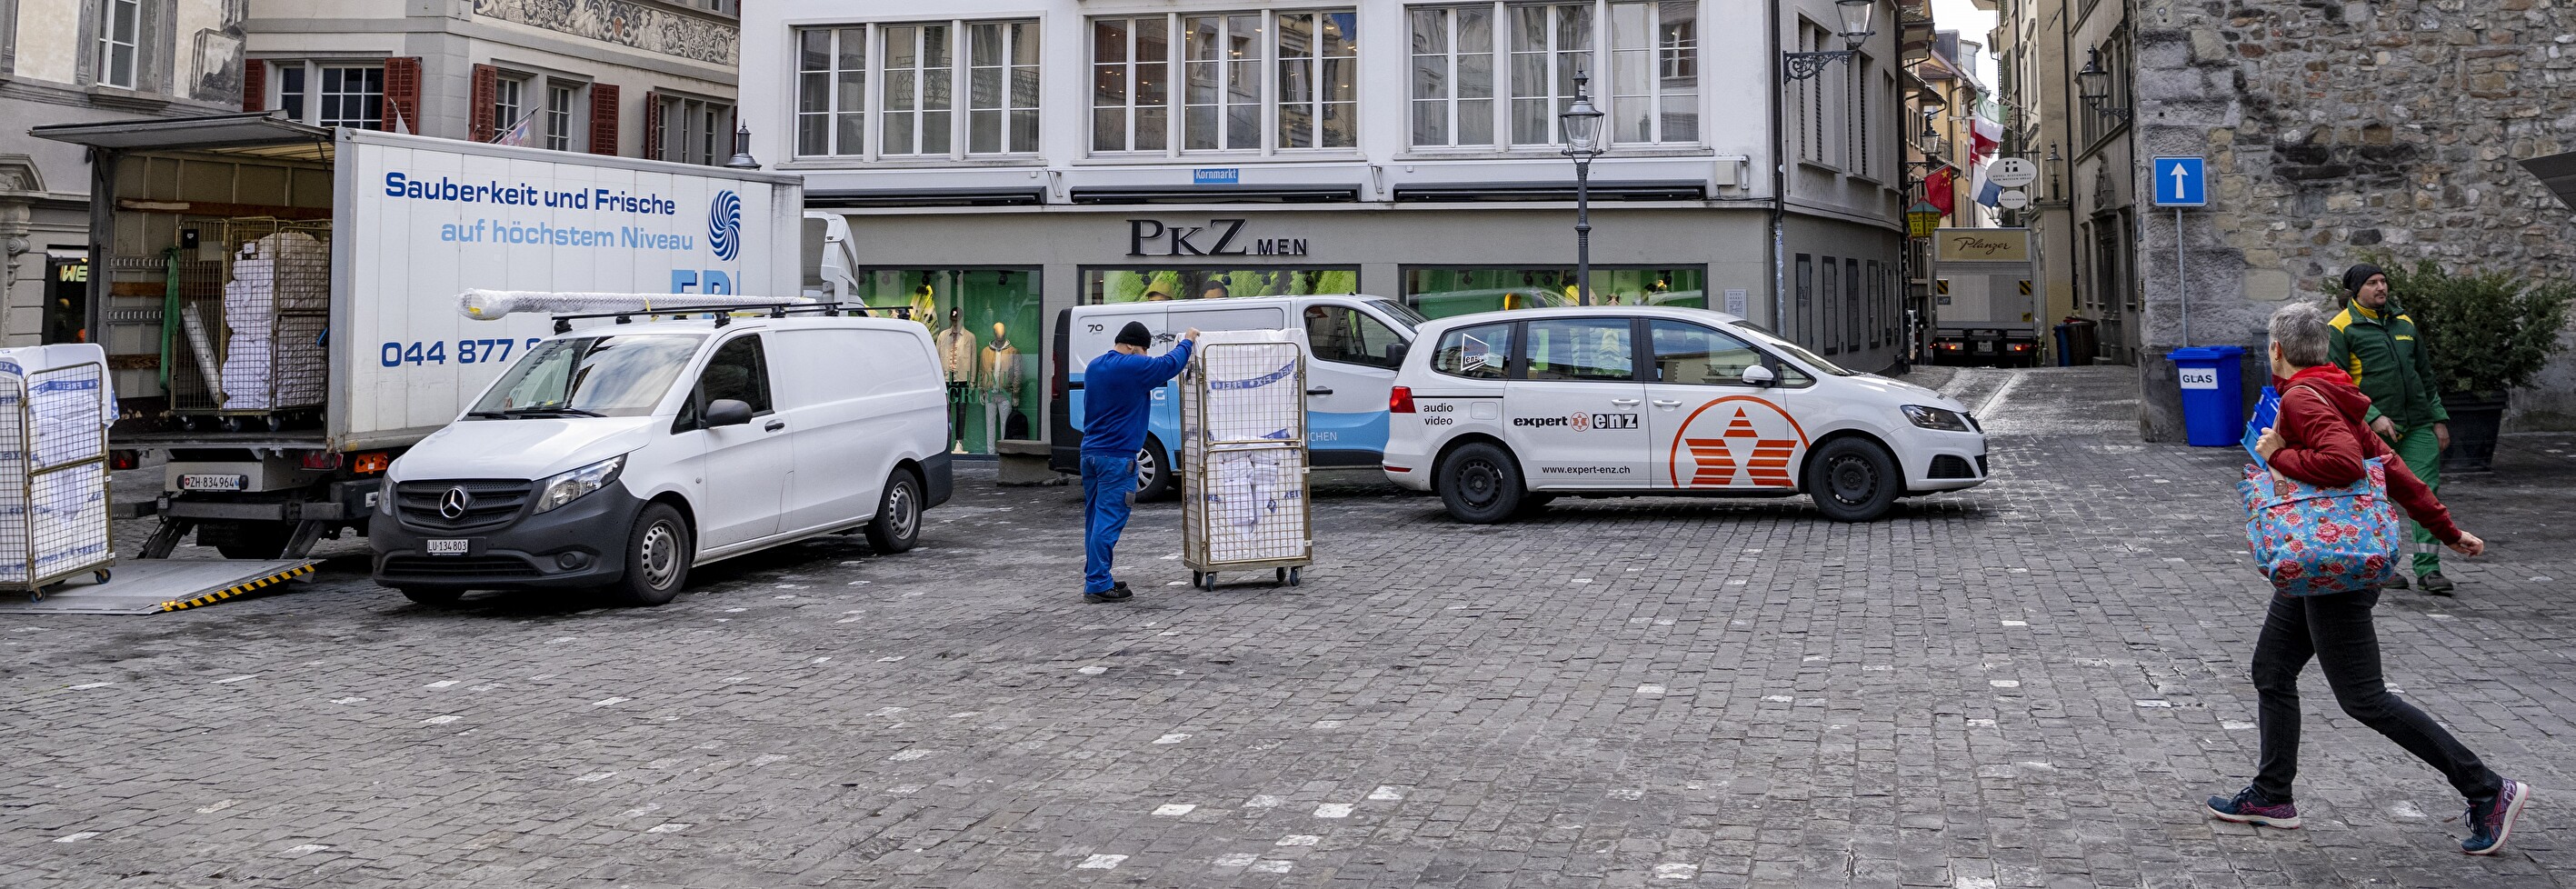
2300, 329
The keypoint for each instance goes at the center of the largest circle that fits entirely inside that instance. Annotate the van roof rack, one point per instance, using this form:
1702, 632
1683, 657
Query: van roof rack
723, 314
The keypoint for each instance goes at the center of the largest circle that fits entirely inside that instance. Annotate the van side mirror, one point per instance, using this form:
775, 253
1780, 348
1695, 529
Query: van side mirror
1756, 375
1395, 353
728, 412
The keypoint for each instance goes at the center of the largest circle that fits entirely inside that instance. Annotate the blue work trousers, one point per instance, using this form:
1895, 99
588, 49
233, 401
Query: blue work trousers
1106, 483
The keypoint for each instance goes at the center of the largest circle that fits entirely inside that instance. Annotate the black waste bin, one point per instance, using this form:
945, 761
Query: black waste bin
2082, 341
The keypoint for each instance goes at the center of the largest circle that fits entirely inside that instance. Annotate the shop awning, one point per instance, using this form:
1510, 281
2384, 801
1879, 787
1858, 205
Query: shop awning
2558, 172
1615, 190
210, 131
850, 199
1219, 194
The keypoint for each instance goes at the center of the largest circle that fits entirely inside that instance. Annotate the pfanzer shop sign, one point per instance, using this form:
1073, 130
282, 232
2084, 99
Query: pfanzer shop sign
1219, 237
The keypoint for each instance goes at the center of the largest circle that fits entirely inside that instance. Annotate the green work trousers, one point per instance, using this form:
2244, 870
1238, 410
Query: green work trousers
2423, 455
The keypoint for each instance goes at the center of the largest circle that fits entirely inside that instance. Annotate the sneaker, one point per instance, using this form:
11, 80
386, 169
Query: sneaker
2396, 581
2491, 823
2249, 807
2436, 584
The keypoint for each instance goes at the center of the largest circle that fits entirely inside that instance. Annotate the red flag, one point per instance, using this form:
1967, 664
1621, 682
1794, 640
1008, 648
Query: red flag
1938, 187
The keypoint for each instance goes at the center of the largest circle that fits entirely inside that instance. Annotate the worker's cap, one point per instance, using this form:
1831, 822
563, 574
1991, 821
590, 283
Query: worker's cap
1135, 334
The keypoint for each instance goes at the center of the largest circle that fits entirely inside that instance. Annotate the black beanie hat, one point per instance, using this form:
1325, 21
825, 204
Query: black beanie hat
1135, 334
2358, 275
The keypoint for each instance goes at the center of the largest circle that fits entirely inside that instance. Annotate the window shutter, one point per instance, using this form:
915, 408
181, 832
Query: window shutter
653, 139
402, 95
255, 85
487, 91
603, 118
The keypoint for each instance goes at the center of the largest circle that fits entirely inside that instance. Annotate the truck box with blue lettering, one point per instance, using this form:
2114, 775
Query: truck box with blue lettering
279, 302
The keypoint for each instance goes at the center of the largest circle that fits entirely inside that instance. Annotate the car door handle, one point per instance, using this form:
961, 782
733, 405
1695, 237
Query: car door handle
775, 425
1624, 402
1320, 390
1662, 403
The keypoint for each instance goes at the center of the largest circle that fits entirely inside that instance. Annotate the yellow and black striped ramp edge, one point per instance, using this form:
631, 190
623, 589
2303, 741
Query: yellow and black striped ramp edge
237, 589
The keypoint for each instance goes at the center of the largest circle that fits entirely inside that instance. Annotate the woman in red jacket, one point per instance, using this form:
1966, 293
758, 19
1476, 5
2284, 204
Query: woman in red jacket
2319, 439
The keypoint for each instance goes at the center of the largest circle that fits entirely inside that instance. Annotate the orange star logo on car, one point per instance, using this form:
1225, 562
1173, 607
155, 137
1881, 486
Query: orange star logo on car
1757, 445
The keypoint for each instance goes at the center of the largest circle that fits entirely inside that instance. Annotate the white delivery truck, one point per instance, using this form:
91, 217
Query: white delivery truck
279, 301
1986, 297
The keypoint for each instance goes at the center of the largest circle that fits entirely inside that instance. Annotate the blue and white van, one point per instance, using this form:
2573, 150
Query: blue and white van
1353, 345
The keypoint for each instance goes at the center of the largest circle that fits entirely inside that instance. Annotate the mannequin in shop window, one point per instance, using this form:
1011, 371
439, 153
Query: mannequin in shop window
957, 362
999, 376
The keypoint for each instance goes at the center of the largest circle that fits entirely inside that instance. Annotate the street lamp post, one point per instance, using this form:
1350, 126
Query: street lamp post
1855, 16
1582, 143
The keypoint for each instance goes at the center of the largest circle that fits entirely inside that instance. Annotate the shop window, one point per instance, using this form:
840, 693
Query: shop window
984, 325
1156, 285
1349, 336
916, 68
1690, 354
1476, 353
1439, 292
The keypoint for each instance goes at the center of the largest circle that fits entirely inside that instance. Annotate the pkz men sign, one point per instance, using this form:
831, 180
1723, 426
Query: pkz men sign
1219, 237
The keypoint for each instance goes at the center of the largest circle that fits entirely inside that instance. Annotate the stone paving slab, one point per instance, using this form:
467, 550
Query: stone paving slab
2029, 684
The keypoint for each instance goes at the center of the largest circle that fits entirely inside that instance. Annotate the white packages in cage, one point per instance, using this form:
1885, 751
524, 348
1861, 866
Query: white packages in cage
1252, 385
1255, 504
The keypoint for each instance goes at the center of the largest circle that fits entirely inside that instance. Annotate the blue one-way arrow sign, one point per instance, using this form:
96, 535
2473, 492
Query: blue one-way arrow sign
2181, 182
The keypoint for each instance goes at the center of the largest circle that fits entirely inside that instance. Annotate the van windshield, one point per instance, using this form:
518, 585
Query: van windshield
1400, 312
595, 376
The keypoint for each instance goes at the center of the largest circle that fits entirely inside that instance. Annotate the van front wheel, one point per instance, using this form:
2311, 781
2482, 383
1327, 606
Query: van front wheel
1853, 480
1480, 484
1153, 472
898, 523
658, 553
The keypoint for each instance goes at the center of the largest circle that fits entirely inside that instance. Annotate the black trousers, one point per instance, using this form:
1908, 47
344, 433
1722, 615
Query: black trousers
2336, 632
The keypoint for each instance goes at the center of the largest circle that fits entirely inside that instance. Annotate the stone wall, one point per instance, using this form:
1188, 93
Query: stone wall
2336, 129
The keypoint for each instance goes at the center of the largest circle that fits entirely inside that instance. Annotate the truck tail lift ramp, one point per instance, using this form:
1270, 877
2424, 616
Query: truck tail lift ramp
154, 586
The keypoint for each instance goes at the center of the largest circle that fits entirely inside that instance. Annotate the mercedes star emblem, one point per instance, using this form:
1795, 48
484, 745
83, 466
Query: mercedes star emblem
454, 504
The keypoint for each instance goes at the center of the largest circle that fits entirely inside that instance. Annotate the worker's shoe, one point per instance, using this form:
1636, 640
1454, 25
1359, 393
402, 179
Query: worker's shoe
1117, 593
2396, 581
2435, 583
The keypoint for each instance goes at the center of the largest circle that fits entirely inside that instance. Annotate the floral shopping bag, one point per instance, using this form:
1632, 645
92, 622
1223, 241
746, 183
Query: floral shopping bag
2312, 541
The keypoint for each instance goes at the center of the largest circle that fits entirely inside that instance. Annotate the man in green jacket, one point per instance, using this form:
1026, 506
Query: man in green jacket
2377, 344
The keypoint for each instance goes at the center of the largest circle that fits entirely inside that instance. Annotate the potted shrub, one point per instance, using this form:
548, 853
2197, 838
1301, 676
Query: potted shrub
2489, 333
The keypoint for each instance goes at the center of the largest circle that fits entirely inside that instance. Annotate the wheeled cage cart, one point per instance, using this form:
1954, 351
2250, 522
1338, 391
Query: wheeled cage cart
53, 467
1244, 504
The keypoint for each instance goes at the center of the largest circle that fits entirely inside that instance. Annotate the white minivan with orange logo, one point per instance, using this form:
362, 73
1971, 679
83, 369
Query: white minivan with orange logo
1501, 412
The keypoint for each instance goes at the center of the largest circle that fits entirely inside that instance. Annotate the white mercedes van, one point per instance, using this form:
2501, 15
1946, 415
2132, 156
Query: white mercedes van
1504, 411
620, 456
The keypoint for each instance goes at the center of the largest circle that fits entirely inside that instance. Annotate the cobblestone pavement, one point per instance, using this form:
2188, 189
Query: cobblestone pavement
2027, 684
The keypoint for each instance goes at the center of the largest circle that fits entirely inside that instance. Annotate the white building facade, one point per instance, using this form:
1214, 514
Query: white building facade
1012, 158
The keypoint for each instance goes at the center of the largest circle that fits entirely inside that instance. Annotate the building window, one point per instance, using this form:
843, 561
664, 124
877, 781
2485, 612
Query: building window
1223, 101
347, 95
1650, 91
510, 109
1131, 93
831, 91
693, 130
1805, 309
1318, 72
1002, 109
1453, 76
1439, 292
1251, 81
918, 89
120, 42
917, 67
559, 123
1852, 306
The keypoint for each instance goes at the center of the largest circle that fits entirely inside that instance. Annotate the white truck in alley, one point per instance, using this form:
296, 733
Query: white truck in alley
279, 302
1986, 297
